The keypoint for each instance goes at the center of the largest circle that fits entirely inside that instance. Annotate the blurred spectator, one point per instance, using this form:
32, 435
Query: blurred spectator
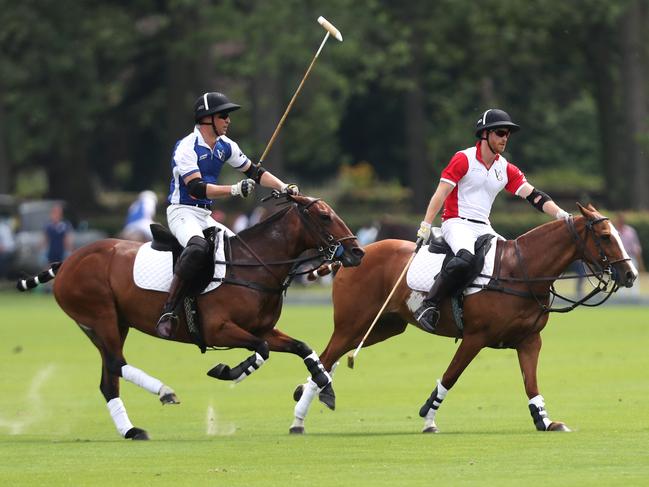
630, 240
7, 247
139, 218
367, 235
57, 235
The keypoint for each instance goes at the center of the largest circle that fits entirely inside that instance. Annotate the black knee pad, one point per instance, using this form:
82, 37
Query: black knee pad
462, 262
194, 257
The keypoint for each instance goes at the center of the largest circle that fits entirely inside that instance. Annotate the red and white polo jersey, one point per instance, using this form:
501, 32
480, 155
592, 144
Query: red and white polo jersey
476, 186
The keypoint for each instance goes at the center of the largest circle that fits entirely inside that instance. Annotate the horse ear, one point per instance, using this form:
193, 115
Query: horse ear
583, 210
591, 207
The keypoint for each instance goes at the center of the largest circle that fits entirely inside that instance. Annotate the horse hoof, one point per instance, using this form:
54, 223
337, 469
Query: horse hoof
169, 399
136, 434
297, 393
168, 396
558, 426
296, 430
430, 429
220, 371
328, 397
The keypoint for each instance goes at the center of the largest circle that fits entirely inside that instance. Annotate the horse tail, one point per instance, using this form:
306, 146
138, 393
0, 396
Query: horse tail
323, 270
41, 278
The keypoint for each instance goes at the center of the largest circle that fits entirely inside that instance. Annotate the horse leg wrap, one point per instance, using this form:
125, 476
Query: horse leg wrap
434, 401
141, 378
120, 418
538, 412
318, 373
240, 372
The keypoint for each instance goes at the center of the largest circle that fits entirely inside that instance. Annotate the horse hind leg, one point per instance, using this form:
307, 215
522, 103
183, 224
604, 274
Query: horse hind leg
466, 352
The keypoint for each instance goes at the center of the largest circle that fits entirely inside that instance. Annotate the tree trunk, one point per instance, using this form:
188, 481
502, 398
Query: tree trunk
635, 69
6, 184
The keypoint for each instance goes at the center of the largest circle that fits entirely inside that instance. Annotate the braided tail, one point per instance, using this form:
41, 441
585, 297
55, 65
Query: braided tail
43, 277
323, 270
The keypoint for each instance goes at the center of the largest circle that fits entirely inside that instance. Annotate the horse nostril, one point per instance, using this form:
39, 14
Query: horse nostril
630, 276
358, 252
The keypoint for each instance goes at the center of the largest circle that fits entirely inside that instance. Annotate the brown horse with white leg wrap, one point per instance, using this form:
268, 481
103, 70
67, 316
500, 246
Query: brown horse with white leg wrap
508, 312
95, 287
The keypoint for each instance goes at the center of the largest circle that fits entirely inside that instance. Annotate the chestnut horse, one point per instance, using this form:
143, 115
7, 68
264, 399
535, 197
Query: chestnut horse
509, 312
95, 287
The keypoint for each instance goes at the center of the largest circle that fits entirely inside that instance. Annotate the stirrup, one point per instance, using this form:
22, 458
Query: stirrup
167, 325
427, 317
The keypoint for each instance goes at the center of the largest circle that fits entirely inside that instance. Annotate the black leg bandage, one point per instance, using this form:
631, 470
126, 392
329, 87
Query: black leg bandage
538, 415
433, 402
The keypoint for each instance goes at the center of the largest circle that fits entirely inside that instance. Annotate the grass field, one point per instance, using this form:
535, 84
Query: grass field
56, 430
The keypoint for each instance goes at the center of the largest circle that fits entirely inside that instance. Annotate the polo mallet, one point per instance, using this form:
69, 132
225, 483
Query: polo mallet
331, 30
352, 356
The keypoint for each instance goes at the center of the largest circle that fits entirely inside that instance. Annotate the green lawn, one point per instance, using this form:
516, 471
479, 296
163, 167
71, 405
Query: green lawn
56, 430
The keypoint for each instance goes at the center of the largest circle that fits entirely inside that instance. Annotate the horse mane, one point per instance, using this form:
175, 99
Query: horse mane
546, 224
278, 215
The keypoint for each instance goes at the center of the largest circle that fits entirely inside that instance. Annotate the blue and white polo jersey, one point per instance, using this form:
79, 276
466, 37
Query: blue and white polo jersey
191, 154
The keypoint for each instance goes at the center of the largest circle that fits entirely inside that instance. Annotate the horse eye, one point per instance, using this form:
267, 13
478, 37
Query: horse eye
606, 237
325, 217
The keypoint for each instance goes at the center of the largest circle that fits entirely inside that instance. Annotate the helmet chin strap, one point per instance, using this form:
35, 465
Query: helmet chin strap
212, 124
489, 145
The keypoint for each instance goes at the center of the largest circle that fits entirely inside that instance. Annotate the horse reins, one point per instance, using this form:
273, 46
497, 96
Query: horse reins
585, 256
326, 253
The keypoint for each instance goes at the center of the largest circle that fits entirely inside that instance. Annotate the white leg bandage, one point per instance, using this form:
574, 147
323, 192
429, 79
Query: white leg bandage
118, 413
309, 392
539, 413
141, 378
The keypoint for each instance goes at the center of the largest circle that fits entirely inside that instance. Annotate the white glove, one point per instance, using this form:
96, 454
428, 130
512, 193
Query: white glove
291, 189
243, 188
424, 232
562, 214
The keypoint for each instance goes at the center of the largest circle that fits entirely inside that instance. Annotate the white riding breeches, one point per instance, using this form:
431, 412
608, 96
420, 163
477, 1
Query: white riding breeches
462, 234
187, 221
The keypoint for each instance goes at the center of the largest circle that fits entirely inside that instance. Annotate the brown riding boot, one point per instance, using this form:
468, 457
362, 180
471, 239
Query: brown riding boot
168, 322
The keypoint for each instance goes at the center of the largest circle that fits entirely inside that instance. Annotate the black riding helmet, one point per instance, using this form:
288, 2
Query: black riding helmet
494, 118
211, 103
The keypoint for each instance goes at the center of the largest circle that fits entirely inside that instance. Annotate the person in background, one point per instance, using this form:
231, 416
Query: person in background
7, 246
57, 236
140, 217
632, 244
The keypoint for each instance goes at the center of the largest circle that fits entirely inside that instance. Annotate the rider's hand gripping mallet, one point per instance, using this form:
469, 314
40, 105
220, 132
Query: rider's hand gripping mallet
352, 356
331, 30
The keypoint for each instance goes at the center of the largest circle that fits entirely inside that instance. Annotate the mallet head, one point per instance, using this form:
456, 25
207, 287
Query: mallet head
328, 26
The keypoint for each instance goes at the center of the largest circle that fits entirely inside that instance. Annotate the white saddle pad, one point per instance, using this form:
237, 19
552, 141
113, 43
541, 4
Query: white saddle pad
426, 265
153, 268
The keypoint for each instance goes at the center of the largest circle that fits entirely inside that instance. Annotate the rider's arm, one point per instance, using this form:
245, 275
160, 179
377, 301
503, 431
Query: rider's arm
541, 201
437, 200
211, 191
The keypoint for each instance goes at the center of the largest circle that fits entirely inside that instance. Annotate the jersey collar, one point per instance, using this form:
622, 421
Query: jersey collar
201, 140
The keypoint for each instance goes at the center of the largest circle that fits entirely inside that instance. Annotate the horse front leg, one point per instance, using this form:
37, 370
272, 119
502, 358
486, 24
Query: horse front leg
232, 336
528, 357
466, 352
319, 383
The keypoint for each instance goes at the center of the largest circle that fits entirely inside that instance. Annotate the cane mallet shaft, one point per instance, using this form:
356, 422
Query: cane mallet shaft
331, 30
352, 356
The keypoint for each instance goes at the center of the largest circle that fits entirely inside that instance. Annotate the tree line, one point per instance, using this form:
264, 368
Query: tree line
94, 94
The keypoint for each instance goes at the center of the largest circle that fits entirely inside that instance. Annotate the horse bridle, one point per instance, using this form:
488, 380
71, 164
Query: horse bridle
603, 264
329, 246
